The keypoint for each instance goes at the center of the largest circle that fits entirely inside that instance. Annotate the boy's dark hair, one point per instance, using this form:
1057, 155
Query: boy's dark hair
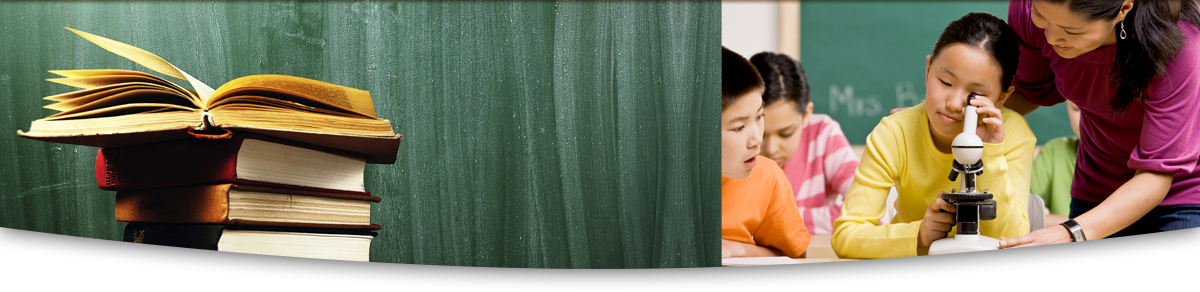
784, 79
738, 77
988, 32
1153, 39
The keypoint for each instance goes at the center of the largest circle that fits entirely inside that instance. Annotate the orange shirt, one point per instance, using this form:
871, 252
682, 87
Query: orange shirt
761, 210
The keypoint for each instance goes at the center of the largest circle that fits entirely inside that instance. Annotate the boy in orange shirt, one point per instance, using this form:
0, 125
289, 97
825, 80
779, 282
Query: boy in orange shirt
758, 213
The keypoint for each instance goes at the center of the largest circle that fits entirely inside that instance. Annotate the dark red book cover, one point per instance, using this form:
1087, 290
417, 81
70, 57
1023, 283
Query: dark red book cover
186, 162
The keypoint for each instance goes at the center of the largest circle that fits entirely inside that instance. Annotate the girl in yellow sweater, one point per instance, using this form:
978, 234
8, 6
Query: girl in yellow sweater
910, 150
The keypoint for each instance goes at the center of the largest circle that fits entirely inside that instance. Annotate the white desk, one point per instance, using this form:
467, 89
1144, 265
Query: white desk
821, 250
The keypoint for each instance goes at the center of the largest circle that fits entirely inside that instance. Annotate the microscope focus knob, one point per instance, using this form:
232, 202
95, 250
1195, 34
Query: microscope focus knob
987, 210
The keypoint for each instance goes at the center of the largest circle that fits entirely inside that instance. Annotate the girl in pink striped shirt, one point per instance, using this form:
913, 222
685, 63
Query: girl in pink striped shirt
811, 149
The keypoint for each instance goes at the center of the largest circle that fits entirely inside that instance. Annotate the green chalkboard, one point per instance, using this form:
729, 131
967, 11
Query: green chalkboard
536, 134
864, 58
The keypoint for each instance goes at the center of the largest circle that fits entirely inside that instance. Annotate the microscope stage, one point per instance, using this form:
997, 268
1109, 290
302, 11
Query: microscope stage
963, 243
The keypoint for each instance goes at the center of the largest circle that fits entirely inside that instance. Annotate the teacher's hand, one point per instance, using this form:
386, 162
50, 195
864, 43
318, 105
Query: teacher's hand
1044, 236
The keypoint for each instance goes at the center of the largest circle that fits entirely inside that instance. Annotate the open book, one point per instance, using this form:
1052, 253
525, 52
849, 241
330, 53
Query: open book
117, 108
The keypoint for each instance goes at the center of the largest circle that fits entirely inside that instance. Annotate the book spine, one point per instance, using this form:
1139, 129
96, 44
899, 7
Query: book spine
185, 162
175, 163
199, 236
211, 204
206, 204
105, 177
208, 236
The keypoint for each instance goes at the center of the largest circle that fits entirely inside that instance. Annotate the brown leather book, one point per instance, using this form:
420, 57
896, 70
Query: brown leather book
236, 204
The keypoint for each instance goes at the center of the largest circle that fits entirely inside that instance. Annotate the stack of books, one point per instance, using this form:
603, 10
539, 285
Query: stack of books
248, 194
265, 164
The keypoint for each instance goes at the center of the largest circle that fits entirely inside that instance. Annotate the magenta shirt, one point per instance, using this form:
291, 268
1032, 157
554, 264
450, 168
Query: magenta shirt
1160, 133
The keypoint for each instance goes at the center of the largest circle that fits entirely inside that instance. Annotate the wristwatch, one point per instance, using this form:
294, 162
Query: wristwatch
1075, 230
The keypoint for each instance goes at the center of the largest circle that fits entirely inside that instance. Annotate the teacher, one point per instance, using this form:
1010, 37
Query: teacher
1133, 68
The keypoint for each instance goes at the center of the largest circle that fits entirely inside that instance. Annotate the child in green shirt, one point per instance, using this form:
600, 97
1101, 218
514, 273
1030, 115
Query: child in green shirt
1053, 170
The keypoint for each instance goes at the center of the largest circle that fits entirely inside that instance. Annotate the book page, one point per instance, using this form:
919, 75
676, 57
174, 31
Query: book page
99, 87
130, 97
75, 76
119, 110
318, 92
278, 103
171, 122
89, 96
150, 60
268, 117
100, 72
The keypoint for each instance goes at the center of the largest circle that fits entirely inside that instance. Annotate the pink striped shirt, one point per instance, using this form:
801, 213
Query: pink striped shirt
820, 172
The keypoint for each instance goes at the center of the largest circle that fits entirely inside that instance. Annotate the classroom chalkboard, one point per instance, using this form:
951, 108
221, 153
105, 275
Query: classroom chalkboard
536, 134
864, 58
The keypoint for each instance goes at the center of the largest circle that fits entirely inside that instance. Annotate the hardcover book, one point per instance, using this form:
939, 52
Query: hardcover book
244, 158
115, 108
246, 205
332, 244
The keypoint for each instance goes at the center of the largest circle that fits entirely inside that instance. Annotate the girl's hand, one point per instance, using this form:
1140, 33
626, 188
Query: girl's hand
939, 218
992, 129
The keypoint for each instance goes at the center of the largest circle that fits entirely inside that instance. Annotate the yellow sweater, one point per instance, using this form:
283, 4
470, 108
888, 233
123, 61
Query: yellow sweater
900, 153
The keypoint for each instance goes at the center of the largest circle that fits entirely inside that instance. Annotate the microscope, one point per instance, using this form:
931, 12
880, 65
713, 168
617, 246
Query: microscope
972, 205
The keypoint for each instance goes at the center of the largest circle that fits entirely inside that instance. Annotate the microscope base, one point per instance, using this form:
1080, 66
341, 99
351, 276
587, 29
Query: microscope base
963, 243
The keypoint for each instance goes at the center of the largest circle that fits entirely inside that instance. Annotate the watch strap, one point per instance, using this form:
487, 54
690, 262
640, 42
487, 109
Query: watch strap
1075, 230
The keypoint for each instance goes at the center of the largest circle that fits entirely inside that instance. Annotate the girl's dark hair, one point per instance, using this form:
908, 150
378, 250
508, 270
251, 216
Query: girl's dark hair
784, 79
738, 77
1153, 39
988, 32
